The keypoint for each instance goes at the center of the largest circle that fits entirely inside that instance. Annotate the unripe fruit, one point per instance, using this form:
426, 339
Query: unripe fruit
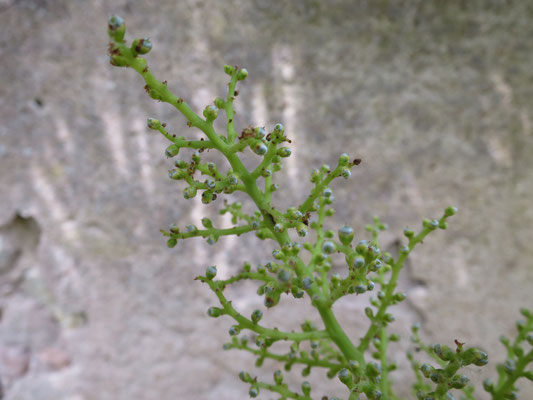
171, 242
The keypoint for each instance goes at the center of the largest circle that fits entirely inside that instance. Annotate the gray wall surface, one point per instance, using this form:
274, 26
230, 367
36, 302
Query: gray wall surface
435, 97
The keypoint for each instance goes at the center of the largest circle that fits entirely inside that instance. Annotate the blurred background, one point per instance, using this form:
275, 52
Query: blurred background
435, 97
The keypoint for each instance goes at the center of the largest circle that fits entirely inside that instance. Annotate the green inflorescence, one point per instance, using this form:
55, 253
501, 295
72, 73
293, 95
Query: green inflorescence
363, 367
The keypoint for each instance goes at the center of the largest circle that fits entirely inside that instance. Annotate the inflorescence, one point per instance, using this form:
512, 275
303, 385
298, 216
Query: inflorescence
361, 367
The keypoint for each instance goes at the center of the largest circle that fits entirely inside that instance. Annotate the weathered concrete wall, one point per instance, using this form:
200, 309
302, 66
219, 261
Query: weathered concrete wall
437, 100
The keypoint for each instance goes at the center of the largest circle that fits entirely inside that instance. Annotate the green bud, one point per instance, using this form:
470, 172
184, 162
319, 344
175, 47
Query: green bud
358, 262
245, 377
189, 192
172, 150
208, 196
259, 132
409, 233
325, 168
360, 289
196, 158
509, 366
426, 369
254, 391
278, 128
430, 224
215, 312
307, 282
345, 376
172, 242
259, 148
444, 352
404, 249
389, 317
328, 247
474, 356
153, 123
141, 46
242, 74
278, 377
211, 272
272, 299
174, 228
529, 339
315, 176
228, 69
346, 173
362, 247
394, 337
117, 61
346, 235
234, 330
306, 388
375, 265
176, 174
206, 222
400, 296
116, 28
488, 385
344, 159
279, 228
220, 103
284, 152
256, 316
459, 381
369, 313
373, 370
210, 113
297, 292
452, 210
302, 230
284, 275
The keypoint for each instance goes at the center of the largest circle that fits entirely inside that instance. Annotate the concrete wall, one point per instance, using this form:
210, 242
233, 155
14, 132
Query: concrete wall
436, 99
